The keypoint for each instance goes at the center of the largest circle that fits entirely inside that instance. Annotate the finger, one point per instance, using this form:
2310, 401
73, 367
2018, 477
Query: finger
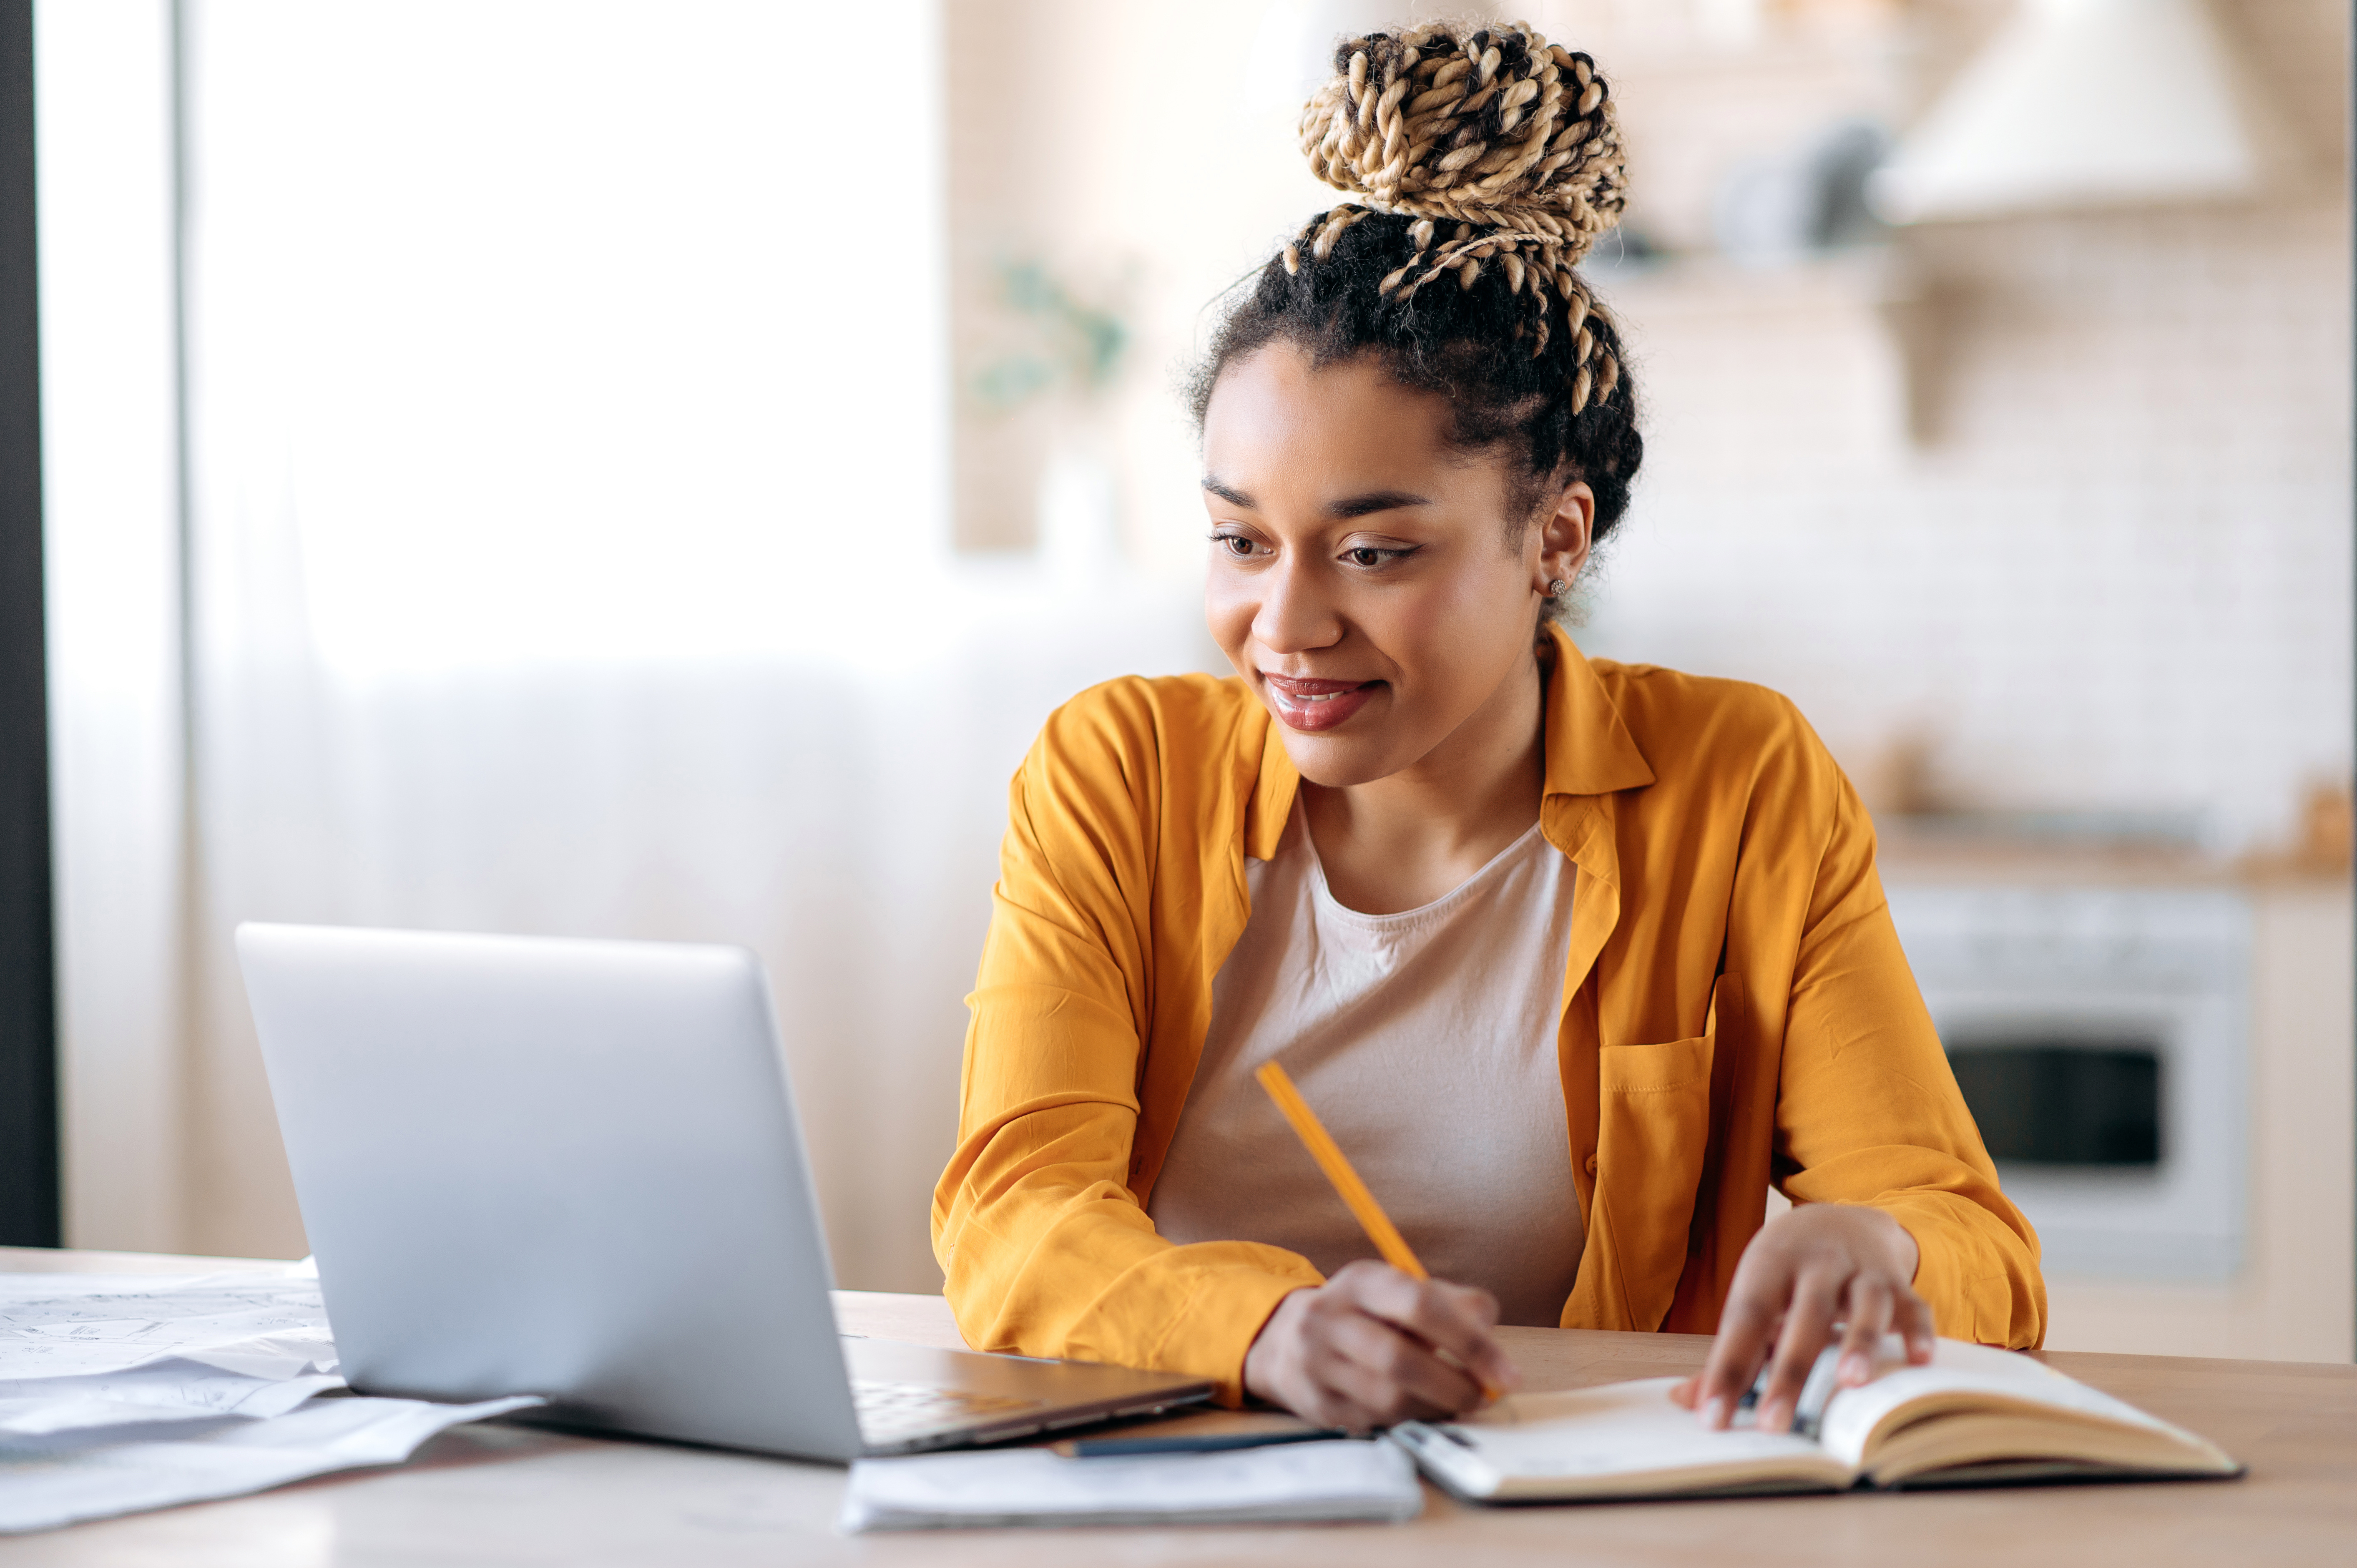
1333, 1408
1344, 1393
1368, 1398
1478, 1353
1808, 1323
1455, 1319
1910, 1318
1407, 1371
1308, 1382
1400, 1370
1868, 1313
1735, 1354
1685, 1391
1337, 1408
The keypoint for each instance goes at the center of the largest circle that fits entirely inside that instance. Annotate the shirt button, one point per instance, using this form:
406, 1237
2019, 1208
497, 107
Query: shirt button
1591, 1164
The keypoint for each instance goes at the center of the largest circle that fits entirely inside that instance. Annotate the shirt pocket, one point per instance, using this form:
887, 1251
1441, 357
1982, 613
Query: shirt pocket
1652, 1137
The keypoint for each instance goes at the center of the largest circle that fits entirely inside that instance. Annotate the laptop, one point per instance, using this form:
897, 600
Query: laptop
572, 1169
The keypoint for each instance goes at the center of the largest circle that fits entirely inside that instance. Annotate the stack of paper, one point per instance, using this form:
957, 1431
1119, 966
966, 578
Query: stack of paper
123, 1393
41, 1492
176, 1391
1313, 1482
267, 1324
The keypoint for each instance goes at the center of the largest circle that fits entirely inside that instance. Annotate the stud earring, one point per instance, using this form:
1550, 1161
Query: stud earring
1556, 589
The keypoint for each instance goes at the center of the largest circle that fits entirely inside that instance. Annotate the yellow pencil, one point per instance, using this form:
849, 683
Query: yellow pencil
1337, 1167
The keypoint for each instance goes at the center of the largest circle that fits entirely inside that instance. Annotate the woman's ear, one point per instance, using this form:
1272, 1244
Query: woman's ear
1563, 536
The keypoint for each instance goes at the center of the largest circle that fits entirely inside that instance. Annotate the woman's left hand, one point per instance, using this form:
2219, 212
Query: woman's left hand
1821, 1265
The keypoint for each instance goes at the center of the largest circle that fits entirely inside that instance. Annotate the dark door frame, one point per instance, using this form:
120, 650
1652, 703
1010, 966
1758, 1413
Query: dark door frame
30, 1213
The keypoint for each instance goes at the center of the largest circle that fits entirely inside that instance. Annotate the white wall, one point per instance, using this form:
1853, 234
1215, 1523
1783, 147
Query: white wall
2115, 570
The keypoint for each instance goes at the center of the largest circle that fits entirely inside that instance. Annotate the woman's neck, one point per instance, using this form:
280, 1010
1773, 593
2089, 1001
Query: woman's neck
1404, 840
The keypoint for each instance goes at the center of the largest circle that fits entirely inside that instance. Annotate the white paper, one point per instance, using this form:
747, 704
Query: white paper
161, 1394
54, 1325
1293, 1481
1996, 1375
325, 1435
1630, 1432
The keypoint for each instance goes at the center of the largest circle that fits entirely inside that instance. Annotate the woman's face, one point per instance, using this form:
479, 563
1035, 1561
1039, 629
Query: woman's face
1364, 580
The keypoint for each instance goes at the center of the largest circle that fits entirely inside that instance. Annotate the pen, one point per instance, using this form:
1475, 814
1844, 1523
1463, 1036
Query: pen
1817, 1391
1337, 1167
1200, 1442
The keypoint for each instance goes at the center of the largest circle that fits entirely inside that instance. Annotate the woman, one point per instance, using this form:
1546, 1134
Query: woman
1574, 959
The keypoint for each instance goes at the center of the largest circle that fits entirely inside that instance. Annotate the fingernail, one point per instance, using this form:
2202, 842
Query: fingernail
1853, 1370
1714, 1413
1773, 1416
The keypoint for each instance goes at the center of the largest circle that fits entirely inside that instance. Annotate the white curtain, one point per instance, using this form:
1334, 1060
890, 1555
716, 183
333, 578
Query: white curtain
567, 416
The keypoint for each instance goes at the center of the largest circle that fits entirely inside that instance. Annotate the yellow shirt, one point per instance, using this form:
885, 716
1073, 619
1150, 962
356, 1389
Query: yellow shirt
1735, 1011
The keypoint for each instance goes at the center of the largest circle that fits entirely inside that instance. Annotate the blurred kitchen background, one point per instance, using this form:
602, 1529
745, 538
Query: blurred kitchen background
574, 466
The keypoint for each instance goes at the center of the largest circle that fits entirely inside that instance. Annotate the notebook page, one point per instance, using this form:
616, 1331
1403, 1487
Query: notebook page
1852, 1419
1616, 1439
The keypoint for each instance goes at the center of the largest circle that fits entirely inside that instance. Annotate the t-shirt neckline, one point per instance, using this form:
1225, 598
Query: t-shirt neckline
1398, 920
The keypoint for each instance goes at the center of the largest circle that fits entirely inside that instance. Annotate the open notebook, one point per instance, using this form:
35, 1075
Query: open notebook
1974, 1416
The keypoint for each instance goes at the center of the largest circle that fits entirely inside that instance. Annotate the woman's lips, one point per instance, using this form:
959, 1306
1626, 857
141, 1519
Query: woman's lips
1312, 706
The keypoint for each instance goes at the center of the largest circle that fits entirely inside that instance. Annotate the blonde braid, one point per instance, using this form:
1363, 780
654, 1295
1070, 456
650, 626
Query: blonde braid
1506, 138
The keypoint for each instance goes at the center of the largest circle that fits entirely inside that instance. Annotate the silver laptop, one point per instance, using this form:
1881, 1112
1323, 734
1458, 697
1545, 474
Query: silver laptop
572, 1169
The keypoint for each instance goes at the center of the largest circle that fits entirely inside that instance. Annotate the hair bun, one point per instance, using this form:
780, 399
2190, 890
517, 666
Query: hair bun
1494, 126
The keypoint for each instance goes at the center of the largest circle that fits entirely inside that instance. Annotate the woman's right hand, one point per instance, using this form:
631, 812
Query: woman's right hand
1373, 1346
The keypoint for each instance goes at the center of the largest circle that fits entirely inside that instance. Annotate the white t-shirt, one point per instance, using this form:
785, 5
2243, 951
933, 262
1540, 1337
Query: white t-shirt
1425, 1042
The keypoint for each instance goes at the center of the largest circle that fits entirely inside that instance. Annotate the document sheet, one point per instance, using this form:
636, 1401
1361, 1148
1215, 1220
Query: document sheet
122, 1392
55, 1325
43, 1492
1322, 1482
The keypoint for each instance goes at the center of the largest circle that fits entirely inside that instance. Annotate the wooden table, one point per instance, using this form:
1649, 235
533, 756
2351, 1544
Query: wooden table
507, 1495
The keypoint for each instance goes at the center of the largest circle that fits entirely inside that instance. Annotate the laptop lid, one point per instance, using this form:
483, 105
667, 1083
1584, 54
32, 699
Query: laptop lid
569, 1168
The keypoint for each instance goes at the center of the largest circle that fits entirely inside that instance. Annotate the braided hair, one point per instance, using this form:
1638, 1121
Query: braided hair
1484, 163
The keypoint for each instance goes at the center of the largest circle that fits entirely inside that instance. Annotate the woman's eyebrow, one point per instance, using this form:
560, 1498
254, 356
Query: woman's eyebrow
1354, 505
1375, 502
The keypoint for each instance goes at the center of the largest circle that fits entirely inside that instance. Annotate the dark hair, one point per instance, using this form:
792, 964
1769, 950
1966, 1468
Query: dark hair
1469, 345
1535, 371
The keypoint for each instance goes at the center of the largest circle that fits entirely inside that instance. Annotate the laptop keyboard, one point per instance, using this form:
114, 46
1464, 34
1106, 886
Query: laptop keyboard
891, 1412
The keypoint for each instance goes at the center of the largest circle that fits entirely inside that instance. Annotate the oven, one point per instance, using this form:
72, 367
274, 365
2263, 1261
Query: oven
2100, 1036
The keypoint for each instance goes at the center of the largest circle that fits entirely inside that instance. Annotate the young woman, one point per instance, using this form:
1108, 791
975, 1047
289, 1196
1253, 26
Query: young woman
1574, 959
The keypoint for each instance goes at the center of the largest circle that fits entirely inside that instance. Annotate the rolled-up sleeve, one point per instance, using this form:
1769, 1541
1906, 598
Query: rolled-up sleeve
1869, 1112
1046, 1249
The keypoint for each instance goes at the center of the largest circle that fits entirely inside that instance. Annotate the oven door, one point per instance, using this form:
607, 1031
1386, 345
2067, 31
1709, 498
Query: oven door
2098, 1036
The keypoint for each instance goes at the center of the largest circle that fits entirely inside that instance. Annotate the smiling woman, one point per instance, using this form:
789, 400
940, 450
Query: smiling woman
1350, 509
1575, 959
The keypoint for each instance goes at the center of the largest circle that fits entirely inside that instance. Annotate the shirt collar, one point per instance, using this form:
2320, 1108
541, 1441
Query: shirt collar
1588, 751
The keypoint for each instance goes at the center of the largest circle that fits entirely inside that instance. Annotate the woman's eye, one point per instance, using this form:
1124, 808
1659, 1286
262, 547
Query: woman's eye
1369, 555
1235, 544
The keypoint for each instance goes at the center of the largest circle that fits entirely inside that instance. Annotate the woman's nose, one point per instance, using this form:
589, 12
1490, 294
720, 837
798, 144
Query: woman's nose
1296, 613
